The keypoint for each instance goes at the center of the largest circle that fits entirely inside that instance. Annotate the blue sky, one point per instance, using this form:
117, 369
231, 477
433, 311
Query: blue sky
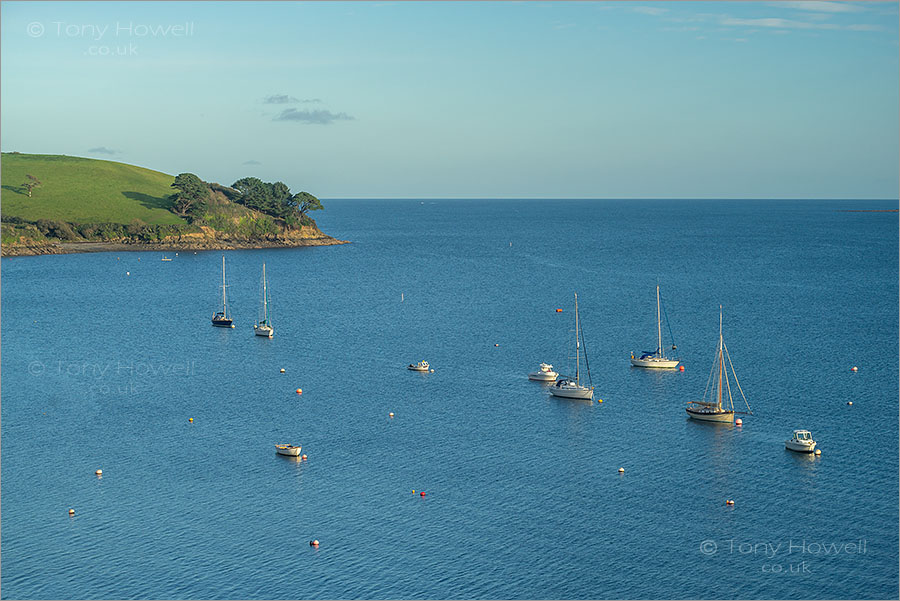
468, 99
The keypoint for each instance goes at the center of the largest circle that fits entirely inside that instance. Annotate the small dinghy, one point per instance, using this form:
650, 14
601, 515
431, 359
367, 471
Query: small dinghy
287, 449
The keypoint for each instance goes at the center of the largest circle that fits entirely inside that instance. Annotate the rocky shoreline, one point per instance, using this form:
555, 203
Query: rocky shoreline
60, 248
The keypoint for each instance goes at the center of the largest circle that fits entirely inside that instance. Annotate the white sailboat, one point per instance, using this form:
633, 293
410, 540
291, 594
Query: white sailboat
655, 358
221, 319
263, 327
720, 409
573, 389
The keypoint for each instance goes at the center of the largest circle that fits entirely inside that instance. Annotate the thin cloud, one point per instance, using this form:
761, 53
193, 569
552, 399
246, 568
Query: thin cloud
819, 6
285, 99
864, 27
318, 117
776, 23
102, 150
280, 99
650, 10
251, 162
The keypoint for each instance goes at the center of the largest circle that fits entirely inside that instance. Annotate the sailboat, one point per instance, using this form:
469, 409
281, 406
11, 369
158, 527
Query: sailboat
573, 389
655, 358
720, 409
263, 327
221, 319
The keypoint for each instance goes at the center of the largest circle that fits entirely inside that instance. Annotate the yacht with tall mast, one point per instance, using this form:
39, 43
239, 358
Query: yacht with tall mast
263, 327
221, 319
656, 358
717, 404
574, 389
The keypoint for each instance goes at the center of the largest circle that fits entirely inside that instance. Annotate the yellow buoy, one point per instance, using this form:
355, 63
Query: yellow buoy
818, 451
621, 470
99, 472
191, 419
282, 370
391, 414
599, 400
71, 512
299, 391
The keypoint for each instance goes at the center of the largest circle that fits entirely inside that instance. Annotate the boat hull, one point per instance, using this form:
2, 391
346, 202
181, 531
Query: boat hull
543, 376
790, 445
265, 331
580, 392
414, 368
288, 451
710, 415
222, 323
655, 362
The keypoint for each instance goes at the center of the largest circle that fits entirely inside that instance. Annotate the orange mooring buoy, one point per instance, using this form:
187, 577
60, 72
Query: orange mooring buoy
299, 391
559, 310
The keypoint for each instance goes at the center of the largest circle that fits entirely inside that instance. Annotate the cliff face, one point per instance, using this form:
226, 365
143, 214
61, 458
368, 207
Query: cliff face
206, 238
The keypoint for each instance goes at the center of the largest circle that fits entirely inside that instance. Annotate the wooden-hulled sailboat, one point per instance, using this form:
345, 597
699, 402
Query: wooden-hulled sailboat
720, 409
573, 389
655, 358
221, 319
263, 327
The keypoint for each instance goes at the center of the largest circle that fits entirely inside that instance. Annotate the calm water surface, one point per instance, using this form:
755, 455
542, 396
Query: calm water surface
523, 498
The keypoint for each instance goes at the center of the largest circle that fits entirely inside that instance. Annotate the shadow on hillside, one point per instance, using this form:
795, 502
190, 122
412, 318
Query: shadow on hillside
15, 189
150, 202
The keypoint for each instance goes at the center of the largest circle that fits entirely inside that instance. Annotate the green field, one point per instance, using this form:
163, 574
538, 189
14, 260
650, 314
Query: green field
79, 190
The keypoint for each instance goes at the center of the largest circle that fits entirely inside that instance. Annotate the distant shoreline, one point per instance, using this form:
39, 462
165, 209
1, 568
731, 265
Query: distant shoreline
64, 248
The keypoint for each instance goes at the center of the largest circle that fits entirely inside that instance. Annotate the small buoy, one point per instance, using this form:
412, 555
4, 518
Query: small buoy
496, 345
303, 457
559, 310
818, 451
314, 543
621, 470
849, 402
299, 391
99, 472
422, 493
738, 422
432, 371
191, 419
127, 273
854, 368
729, 502
232, 325
282, 370
391, 415
414, 491
681, 368
599, 400
71, 512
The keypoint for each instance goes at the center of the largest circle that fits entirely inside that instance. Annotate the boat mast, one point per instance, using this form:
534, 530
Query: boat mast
265, 299
658, 326
224, 306
577, 347
721, 360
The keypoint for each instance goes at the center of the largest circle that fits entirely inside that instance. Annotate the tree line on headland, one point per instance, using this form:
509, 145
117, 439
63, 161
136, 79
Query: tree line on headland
273, 199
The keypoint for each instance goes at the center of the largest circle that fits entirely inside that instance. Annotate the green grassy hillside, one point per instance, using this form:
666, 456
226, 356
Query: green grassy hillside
79, 190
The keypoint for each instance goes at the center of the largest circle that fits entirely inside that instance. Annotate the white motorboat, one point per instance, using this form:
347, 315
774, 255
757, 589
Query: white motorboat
655, 358
287, 449
567, 387
263, 327
801, 442
710, 409
420, 366
544, 374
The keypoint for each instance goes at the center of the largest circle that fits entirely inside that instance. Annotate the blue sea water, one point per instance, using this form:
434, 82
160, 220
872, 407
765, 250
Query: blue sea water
102, 370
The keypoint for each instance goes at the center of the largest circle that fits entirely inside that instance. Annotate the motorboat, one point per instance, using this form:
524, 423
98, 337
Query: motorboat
544, 374
420, 366
287, 449
801, 442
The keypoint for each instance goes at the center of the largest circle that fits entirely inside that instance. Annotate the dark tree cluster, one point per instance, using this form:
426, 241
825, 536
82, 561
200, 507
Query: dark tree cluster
275, 199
